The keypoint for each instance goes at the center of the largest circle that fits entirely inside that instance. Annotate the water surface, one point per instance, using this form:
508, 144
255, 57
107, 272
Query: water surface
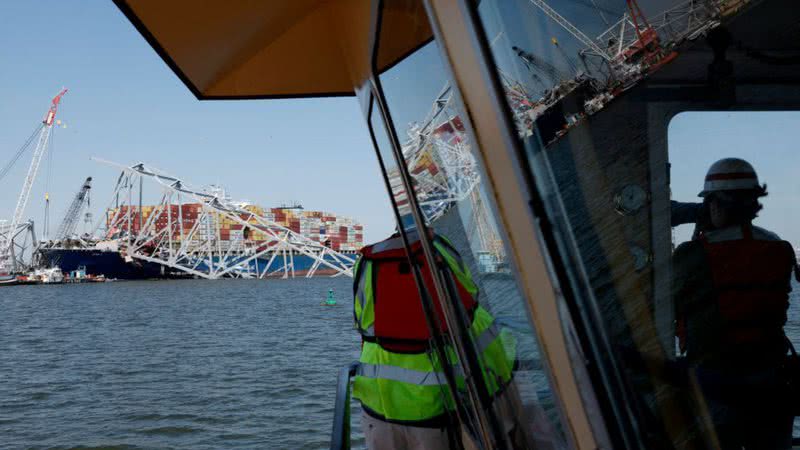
173, 364
189, 364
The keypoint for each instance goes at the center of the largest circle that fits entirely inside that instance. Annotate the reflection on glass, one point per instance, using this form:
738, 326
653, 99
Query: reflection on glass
441, 161
560, 66
765, 143
439, 157
398, 192
583, 82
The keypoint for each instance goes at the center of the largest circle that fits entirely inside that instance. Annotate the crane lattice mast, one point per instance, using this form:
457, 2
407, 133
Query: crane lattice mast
646, 36
70, 221
7, 261
572, 29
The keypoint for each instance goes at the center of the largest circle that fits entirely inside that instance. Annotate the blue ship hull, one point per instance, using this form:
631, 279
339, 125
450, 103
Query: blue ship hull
98, 262
113, 265
302, 264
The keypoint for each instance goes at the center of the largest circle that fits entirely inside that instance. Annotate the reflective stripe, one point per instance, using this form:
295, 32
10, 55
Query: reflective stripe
368, 316
497, 350
457, 266
363, 306
454, 255
400, 374
730, 185
358, 303
485, 339
360, 300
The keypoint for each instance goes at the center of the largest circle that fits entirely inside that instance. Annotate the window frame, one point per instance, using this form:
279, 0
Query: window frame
470, 61
373, 101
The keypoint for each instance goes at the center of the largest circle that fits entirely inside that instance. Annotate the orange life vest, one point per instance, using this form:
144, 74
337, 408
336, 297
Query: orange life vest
751, 269
400, 325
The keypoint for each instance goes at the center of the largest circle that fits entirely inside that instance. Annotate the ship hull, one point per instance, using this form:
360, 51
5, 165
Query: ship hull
97, 262
113, 266
8, 280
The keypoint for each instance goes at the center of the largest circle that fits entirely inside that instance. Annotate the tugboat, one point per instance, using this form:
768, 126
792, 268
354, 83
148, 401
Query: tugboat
52, 275
7, 279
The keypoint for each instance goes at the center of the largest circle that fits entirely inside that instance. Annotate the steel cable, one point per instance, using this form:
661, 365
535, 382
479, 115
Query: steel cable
20, 152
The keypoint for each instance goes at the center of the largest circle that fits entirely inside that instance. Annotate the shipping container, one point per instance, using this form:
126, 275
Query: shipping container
319, 226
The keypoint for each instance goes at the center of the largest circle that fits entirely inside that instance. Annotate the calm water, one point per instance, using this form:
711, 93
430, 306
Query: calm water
180, 364
172, 364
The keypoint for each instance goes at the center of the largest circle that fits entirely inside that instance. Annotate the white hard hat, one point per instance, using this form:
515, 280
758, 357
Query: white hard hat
730, 174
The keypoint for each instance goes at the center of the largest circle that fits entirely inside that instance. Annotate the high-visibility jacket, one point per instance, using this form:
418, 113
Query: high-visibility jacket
400, 379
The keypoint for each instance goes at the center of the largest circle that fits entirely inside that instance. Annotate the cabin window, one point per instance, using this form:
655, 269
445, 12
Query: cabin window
424, 112
768, 141
593, 103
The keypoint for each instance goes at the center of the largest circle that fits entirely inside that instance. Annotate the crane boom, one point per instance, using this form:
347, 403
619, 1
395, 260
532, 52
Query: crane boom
7, 262
572, 29
70, 221
535, 63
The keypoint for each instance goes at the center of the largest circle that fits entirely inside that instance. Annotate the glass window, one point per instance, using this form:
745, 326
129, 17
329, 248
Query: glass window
392, 171
592, 88
766, 140
425, 113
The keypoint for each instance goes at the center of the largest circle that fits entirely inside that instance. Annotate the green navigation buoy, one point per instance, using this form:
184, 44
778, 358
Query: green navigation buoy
331, 300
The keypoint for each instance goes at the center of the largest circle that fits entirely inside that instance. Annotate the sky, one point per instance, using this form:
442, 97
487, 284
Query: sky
768, 140
125, 105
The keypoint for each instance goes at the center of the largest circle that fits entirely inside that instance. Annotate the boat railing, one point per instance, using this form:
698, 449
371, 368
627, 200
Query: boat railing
340, 437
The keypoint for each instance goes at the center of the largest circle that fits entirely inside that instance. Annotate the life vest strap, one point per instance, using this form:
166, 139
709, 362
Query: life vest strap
395, 345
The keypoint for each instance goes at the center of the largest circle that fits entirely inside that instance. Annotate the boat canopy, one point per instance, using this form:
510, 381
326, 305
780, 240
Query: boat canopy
238, 49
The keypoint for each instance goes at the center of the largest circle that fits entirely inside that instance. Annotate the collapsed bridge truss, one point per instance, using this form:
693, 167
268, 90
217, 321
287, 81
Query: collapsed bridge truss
194, 245
22, 243
445, 172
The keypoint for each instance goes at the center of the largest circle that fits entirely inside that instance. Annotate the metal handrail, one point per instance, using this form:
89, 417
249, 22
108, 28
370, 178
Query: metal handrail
340, 436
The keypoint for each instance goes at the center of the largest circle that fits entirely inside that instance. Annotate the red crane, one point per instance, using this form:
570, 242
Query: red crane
648, 46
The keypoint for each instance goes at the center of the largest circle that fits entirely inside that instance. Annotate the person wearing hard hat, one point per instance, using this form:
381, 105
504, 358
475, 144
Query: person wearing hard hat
731, 287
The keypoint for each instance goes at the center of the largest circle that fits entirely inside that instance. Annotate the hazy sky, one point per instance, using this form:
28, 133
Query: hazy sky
125, 105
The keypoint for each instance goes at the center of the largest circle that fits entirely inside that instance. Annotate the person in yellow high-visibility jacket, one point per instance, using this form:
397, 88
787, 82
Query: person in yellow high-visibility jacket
400, 382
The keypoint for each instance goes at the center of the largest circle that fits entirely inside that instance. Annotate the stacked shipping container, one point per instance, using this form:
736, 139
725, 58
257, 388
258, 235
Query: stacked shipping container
337, 232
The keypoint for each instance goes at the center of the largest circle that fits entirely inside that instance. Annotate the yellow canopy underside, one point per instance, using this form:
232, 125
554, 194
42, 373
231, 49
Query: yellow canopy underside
232, 49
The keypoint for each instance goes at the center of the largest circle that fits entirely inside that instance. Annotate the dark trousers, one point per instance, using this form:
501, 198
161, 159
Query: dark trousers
748, 410
754, 430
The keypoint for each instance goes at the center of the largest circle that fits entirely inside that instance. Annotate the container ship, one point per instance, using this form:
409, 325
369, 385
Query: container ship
239, 236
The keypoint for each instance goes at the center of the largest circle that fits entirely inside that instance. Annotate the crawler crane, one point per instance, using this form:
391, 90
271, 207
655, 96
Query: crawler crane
8, 263
70, 221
